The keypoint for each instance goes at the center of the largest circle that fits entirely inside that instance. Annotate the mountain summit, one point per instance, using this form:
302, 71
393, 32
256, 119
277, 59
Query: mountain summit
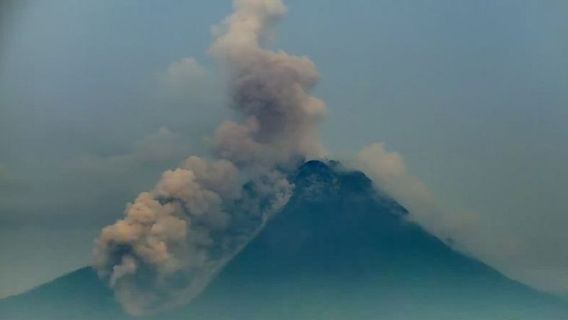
338, 250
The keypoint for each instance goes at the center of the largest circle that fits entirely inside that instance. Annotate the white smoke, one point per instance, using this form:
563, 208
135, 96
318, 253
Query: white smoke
388, 172
174, 239
520, 256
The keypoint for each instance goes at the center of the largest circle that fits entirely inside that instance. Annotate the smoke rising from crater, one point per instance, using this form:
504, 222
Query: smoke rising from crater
174, 239
269, 90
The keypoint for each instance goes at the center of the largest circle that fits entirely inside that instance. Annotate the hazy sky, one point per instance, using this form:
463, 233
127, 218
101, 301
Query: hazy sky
98, 97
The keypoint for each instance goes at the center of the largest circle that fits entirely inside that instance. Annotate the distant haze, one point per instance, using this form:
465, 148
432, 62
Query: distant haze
98, 98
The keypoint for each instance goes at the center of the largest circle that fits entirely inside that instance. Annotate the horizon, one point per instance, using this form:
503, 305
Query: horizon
454, 110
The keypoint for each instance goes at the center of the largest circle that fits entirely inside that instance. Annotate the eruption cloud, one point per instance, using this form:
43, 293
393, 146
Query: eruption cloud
176, 238
269, 89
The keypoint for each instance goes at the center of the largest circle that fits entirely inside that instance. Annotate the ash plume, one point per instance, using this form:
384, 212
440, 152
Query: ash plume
174, 239
269, 89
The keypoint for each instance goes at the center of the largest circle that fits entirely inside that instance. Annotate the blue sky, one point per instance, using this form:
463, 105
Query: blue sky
472, 94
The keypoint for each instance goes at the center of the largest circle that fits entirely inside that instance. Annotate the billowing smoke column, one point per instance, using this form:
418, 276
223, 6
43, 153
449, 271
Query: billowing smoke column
174, 239
269, 90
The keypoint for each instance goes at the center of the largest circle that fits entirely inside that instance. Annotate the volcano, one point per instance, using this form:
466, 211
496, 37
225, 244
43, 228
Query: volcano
340, 249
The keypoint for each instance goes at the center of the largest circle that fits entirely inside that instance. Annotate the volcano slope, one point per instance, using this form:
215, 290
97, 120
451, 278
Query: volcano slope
338, 250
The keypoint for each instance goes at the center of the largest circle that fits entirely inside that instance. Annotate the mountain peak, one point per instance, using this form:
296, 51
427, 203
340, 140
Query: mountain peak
330, 181
315, 180
339, 250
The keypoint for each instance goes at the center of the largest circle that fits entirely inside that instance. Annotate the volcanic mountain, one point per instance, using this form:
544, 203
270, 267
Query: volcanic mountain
340, 249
